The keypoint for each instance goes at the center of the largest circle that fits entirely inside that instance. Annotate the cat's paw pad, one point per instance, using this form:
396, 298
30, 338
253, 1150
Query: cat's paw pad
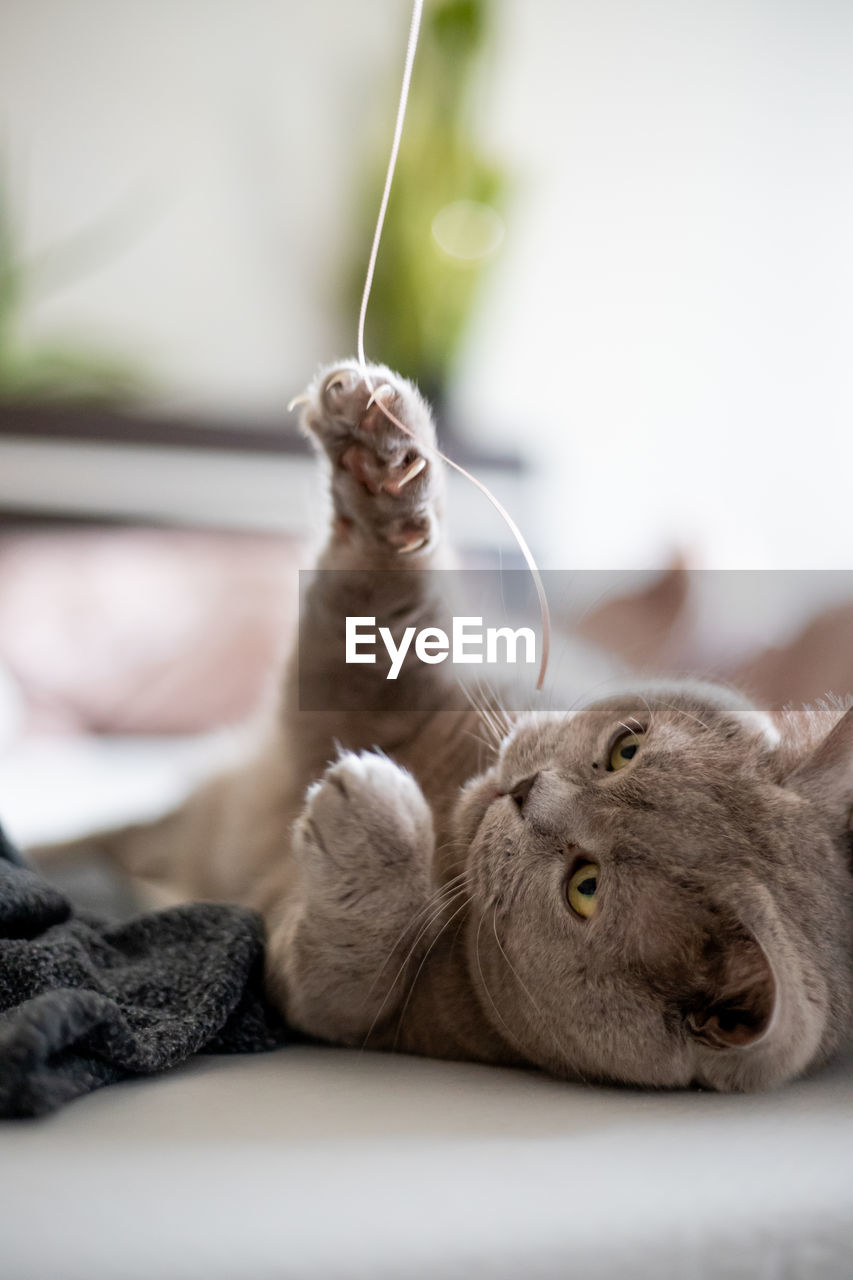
365, 816
379, 443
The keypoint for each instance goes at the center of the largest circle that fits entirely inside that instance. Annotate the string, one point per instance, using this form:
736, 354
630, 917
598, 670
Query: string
411, 48
545, 613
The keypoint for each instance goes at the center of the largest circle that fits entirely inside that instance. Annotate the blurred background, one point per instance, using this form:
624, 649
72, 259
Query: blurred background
618, 258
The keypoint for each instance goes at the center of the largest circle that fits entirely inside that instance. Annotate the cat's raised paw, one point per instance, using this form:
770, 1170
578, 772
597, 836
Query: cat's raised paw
365, 817
378, 437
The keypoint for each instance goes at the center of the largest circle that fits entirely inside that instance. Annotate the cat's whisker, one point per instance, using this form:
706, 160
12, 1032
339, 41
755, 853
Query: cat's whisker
450, 901
486, 985
481, 712
671, 707
447, 890
445, 904
469, 695
420, 967
565, 1056
502, 710
493, 712
399, 974
490, 746
649, 708
500, 730
474, 694
496, 735
458, 857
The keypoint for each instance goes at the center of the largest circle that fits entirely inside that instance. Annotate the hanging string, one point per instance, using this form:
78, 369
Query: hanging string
411, 48
545, 613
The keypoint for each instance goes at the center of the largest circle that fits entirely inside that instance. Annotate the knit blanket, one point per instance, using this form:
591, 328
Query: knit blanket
85, 1002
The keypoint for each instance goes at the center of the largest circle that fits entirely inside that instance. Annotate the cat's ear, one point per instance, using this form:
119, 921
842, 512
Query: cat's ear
825, 777
737, 1001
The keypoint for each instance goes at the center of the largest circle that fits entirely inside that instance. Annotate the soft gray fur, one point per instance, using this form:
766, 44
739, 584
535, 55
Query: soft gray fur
415, 889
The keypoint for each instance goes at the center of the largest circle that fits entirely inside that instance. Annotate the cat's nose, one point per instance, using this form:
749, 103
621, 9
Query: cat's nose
522, 790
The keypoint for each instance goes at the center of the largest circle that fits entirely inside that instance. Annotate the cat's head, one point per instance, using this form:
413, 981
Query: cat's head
661, 889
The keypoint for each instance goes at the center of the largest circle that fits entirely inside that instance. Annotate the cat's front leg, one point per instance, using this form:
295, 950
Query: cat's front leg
386, 486
343, 942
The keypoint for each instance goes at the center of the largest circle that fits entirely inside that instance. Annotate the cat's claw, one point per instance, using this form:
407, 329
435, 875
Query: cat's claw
394, 486
384, 389
378, 434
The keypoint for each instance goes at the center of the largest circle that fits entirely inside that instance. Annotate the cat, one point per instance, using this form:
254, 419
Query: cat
652, 889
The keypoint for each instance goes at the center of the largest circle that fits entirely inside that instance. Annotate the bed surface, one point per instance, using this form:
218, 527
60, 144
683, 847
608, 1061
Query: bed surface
313, 1162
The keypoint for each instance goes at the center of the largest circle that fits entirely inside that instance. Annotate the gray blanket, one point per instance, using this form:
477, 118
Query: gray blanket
85, 1002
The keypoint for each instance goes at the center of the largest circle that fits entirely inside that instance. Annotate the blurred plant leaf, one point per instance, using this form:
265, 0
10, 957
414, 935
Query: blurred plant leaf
56, 369
9, 271
67, 373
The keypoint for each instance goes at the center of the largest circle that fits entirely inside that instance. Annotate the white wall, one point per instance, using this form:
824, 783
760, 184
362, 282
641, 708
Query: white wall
668, 327
676, 314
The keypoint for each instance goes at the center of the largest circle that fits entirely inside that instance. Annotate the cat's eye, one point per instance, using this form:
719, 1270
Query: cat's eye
623, 750
582, 889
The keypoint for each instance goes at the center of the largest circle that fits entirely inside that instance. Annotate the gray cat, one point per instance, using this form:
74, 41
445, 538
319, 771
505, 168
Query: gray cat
654, 889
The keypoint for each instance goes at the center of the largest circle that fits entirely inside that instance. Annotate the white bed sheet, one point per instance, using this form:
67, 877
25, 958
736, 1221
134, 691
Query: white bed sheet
325, 1163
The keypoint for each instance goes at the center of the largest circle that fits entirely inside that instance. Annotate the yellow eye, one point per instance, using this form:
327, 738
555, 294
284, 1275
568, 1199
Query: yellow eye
623, 751
583, 890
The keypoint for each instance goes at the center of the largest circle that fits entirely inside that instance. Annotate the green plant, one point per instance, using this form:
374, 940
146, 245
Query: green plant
59, 369
443, 222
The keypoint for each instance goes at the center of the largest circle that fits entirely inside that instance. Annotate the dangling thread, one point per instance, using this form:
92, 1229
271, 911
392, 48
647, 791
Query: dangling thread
545, 612
411, 47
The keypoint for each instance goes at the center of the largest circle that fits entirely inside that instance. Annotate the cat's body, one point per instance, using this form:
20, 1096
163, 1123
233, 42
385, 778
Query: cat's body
654, 889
